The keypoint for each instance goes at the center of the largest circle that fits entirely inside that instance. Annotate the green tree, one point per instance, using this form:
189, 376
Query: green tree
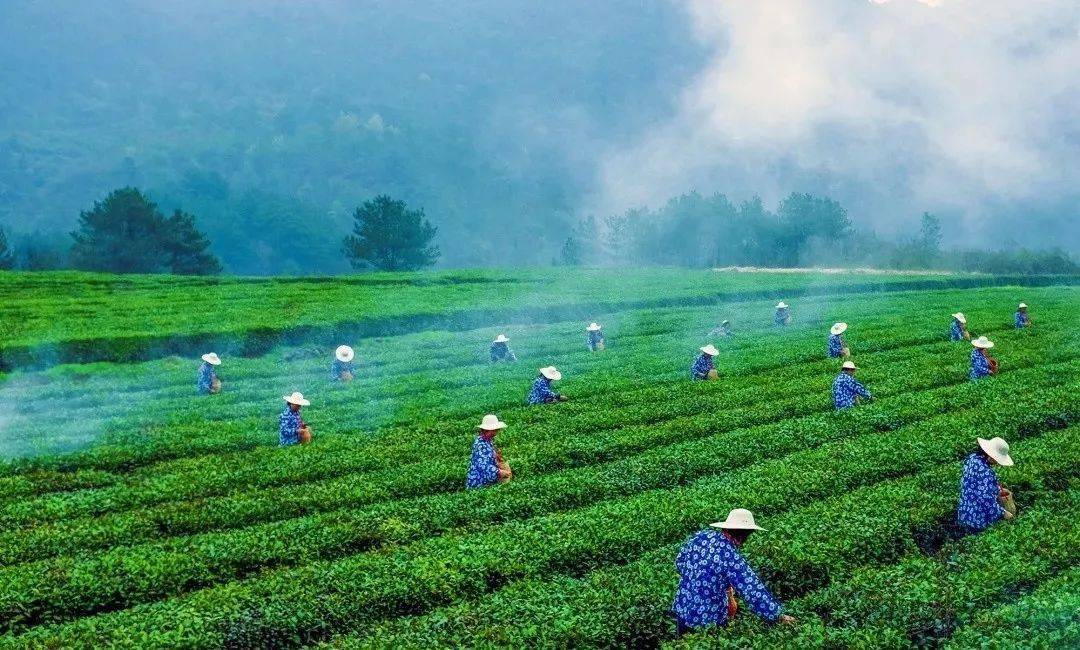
570, 255
390, 237
930, 233
126, 233
806, 220
7, 260
186, 248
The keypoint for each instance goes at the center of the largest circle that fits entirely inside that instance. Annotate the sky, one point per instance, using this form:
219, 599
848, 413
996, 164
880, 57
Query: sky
964, 108
508, 120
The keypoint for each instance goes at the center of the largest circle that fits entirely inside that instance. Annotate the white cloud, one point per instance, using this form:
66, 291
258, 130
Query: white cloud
896, 106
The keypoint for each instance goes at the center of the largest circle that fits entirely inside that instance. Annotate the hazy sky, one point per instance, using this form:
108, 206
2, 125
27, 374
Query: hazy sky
964, 107
495, 112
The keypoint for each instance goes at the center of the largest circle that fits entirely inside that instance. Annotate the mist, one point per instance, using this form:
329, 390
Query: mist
509, 122
962, 108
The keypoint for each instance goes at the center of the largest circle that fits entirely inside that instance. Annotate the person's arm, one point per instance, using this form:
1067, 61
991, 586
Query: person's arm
510, 356
861, 391
753, 591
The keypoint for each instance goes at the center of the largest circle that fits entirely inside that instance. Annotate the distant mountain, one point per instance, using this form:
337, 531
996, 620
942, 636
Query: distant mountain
271, 120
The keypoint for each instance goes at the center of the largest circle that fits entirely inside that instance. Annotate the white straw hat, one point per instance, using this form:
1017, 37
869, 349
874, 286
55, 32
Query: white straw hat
839, 328
1023, 305
960, 317
727, 322
983, 343
212, 359
710, 350
738, 519
491, 423
296, 398
781, 304
502, 338
997, 449
849, 365
592, 327
344, 354
551, 373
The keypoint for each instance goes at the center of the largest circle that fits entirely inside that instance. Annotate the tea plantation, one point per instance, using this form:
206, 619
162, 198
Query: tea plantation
135, 513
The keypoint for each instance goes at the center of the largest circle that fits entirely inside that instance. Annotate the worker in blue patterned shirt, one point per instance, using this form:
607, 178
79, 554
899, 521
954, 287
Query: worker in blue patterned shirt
958, 330
541, 391
594, 337
723, 330
782, 315
846, 389
1022, 318
712, 570
341, 368
836, 341
487, 466
982, 364
292, 429
702, 367
207, 382
982, 499
500, 350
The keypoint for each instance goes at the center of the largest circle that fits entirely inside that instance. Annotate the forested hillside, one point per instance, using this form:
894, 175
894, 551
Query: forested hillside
271, 121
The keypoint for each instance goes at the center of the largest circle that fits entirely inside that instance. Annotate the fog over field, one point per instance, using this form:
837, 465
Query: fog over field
510, 121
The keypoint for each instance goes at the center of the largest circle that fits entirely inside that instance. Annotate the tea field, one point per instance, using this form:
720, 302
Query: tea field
134, 513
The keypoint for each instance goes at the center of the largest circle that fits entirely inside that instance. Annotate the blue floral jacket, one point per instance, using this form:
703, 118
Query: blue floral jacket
845, 388
289, 432
541, 392
502, 352
701, 367
836, 345
980, 365
979, 491
483, 468
337, 367
956, 333
205, 378
708, 564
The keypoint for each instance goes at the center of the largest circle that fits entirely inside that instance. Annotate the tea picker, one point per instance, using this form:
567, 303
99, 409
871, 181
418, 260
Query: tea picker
982, 364
712, 570
594, 337
983, 500
500, 350
847, 391
207, 382
342, 368
782, 317
293, 431
958, 330
722, 330
837, 348
541, 391
487, 466
1022, 319
703, 368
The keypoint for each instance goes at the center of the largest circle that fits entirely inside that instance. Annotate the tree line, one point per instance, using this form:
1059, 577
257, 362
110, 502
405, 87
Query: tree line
128, 233
699, 231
